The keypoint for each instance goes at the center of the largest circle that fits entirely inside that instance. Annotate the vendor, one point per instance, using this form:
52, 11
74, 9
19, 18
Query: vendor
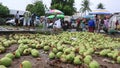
57, 25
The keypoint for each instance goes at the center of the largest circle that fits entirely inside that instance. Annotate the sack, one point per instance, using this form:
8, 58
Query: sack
118, 26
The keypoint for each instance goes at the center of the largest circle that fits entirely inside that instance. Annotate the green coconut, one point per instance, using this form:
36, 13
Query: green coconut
2, 66
17, 54
38, 46
34, 53
51, 55
63, 58
55, 50
5, 61
20, 50
6, 44
105, 52
67, 51
60, 48
26, 52
58, 55
118, 59
70, 57
26, 64
110, 55
87, 60
94, 64
10, 55
2, 49
81, 51
46, 48
77, 60
25, 46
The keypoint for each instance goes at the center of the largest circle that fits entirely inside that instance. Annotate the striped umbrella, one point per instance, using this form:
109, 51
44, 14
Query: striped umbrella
54, 11
100, 11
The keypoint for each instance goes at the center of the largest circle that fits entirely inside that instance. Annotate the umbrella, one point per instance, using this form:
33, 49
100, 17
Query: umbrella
51, 16
100, 11
54, 11
58, 16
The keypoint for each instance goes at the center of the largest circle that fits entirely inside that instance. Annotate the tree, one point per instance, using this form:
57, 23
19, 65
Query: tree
3, 10
37, 7
100, 6
85, 6
30, 7
66, 6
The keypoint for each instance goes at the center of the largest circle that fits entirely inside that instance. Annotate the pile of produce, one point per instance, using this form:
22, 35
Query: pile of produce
69, 47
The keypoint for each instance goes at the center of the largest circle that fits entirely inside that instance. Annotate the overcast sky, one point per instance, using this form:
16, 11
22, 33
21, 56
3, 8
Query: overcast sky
111, 5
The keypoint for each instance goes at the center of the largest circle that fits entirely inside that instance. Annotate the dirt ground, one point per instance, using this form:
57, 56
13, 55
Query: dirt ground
44, 62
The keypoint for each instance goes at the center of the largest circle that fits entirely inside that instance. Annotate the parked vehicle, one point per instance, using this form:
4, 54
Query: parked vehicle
12, 22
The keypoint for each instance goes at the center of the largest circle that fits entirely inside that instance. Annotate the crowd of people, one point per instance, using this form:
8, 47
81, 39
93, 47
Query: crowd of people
95, 24
28, 19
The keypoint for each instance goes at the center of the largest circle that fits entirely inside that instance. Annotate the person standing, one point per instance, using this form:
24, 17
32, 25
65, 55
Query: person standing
17, 18
65, 25
78, 24
57, 25
33, 18
27, 18
83, 25
116, 24
100, 23
106, 22
91, 25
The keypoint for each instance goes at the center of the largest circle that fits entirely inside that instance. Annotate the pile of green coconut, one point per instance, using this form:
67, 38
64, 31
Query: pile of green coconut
69, 47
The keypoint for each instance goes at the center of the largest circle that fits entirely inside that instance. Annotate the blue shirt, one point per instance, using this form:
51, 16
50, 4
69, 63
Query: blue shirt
91, 23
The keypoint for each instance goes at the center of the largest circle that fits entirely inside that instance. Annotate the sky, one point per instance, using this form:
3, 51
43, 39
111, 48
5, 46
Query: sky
110, 5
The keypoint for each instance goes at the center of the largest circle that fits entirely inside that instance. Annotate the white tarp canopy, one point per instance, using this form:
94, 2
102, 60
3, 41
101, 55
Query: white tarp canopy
113, 20
100, 11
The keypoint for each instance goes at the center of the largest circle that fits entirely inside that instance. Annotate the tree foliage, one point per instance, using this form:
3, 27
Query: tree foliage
30, 7
85, 6
3, 10
37, 7
100, 6
66, 6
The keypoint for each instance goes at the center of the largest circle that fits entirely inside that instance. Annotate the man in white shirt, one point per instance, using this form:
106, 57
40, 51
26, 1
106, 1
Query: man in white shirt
27, 18
57, 25
17, 18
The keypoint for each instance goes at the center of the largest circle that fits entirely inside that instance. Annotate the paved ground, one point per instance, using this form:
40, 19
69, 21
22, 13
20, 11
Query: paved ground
25, 29
10, 28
